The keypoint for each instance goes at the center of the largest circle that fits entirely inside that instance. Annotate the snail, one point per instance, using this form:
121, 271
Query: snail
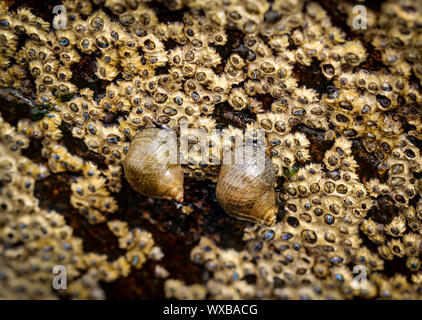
245, 189
148, 166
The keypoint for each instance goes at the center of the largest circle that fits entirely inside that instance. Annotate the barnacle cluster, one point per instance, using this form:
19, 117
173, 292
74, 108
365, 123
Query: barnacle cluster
35, 240
345, 146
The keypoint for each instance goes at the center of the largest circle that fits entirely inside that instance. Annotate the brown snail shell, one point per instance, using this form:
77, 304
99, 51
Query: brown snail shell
148, 171
246, 191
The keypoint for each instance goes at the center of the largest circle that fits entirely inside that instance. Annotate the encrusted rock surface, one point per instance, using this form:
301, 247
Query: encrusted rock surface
341, 111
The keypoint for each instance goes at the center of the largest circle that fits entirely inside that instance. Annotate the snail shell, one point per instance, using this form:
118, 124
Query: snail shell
147, 168
246, 190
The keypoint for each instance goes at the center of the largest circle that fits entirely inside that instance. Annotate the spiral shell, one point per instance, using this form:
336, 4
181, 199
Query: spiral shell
245, 190
147, 168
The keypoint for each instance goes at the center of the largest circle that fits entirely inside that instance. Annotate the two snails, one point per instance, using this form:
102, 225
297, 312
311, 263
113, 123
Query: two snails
244, 190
